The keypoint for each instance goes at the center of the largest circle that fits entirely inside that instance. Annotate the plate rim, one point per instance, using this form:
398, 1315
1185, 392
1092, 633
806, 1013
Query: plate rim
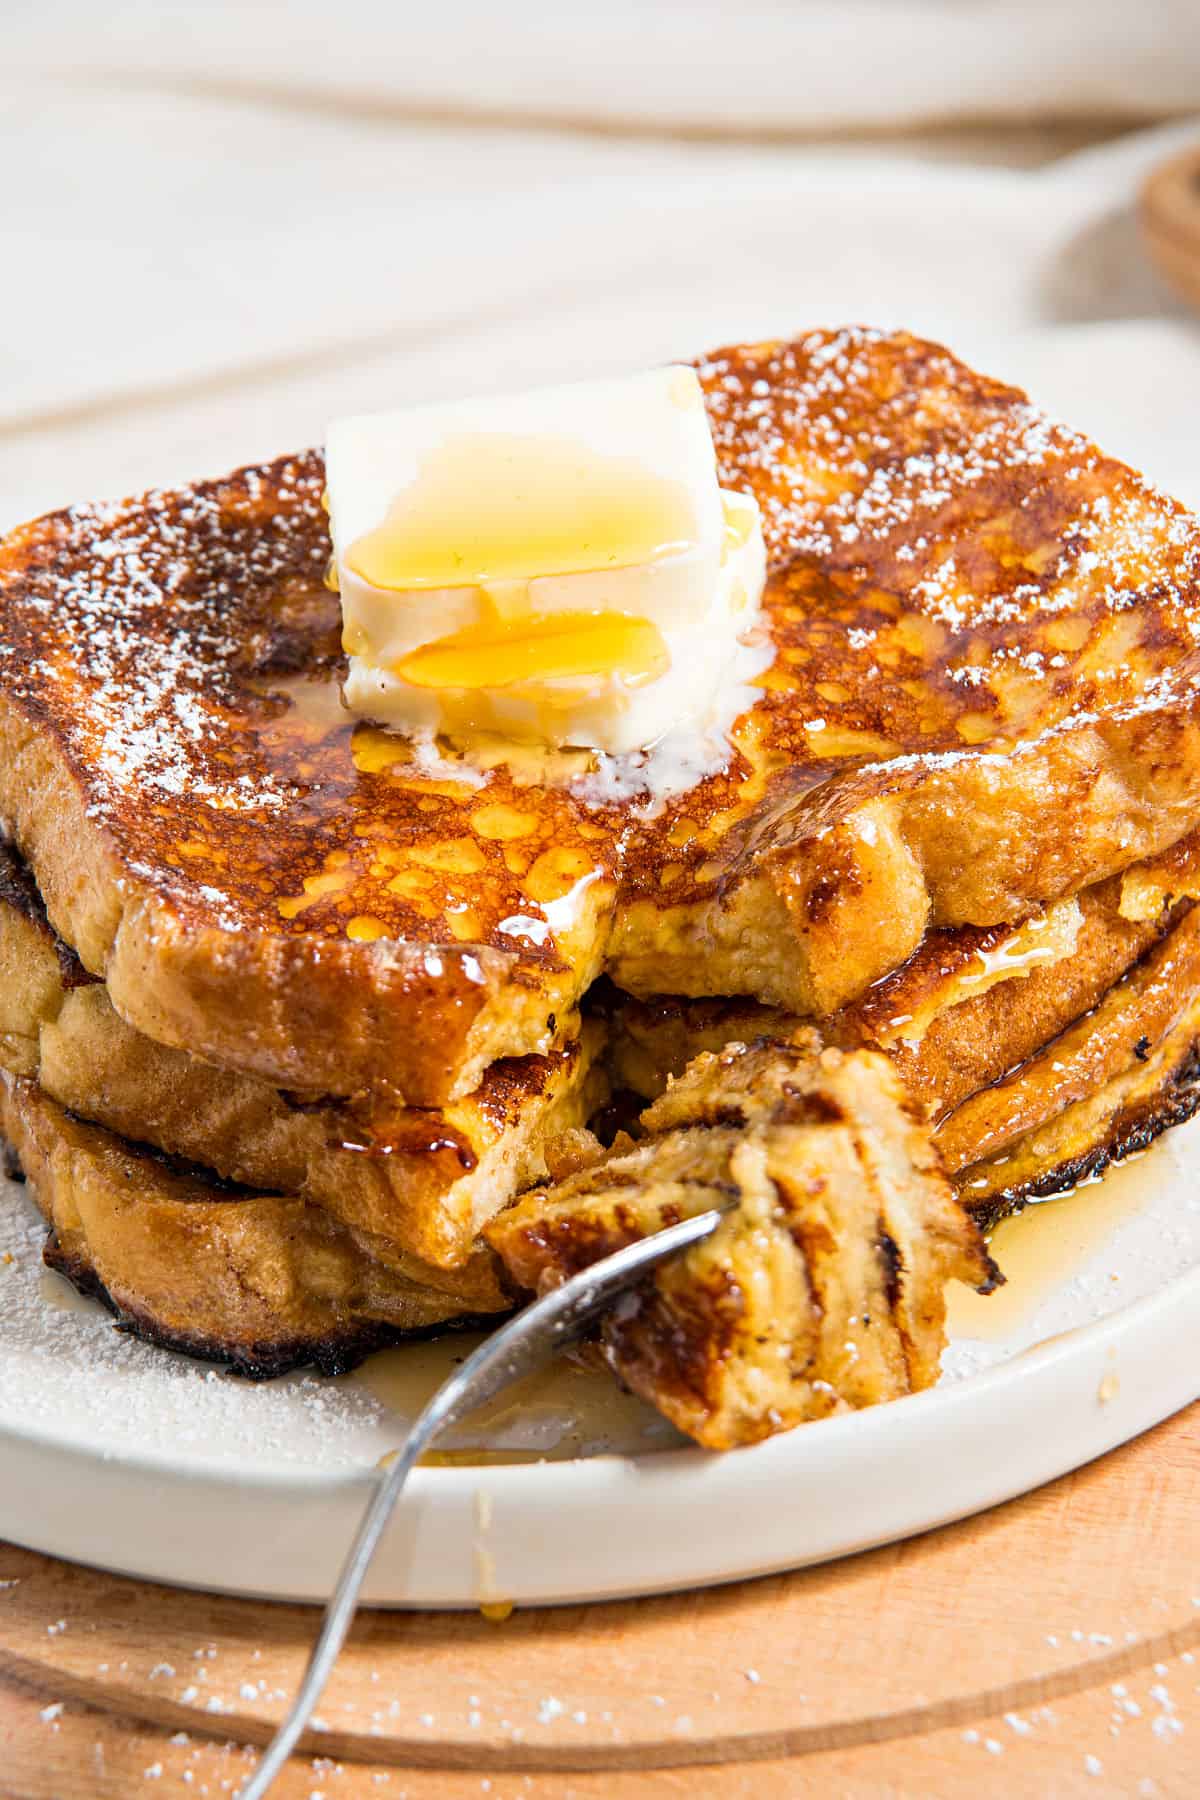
1077, 1340
430, 1556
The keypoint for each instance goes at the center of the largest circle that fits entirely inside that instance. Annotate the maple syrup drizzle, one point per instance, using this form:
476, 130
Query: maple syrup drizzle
405, 1131
542, 505
552, 647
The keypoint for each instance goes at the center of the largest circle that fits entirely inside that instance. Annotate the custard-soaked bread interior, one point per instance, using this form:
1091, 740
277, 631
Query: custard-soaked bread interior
983, 699
966, 1007
264, 1282
823, 1289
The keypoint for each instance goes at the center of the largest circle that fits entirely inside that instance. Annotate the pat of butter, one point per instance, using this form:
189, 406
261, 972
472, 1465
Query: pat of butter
559, 566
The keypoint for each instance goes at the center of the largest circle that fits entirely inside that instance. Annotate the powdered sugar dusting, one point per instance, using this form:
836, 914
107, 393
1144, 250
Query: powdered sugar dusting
953, 575
826, 433
145, 601
65, 1370
67, 1373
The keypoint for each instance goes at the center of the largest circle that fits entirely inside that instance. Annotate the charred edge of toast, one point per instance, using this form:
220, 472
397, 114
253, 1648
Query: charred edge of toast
1132, 1129
336, 1354
19, 890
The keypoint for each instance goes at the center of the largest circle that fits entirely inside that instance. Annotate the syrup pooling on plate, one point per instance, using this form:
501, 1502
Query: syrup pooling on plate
570, 1408
1050, 1242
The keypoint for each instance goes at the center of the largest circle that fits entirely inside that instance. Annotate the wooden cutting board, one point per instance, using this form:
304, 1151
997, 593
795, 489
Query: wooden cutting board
1087, 1585
1170, 216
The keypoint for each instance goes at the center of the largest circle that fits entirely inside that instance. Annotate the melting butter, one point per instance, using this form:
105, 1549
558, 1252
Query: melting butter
559, 567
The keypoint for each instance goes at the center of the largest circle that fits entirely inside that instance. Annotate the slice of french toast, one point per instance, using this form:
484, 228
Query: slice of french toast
1032, 1073
1106, 1086
420, 1182
984, 699
263, 1282
822, 1291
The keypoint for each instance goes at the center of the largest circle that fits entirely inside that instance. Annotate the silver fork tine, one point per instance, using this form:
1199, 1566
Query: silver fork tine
538, 1332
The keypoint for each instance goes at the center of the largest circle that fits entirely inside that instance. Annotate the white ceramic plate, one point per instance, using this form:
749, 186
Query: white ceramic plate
127, 1457
124, 1456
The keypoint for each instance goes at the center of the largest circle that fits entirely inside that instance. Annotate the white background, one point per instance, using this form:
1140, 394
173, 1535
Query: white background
223, 224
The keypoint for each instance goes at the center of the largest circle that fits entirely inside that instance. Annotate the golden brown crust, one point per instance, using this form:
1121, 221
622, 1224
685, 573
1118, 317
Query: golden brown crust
19, 897
988, 619
1125, 1029
965, 1045
822, 1290
176, 784
970, 1044
261, 1281
983, 699
1155, 1090
421, 1182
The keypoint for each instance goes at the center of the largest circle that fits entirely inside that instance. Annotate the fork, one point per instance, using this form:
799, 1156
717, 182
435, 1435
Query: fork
537, 1333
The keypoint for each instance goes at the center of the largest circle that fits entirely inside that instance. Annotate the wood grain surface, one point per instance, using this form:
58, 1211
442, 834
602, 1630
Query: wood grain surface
1055, 1635
1170, 218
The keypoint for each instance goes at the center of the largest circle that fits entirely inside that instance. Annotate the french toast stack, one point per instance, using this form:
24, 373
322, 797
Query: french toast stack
224, 1217
290, 1015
